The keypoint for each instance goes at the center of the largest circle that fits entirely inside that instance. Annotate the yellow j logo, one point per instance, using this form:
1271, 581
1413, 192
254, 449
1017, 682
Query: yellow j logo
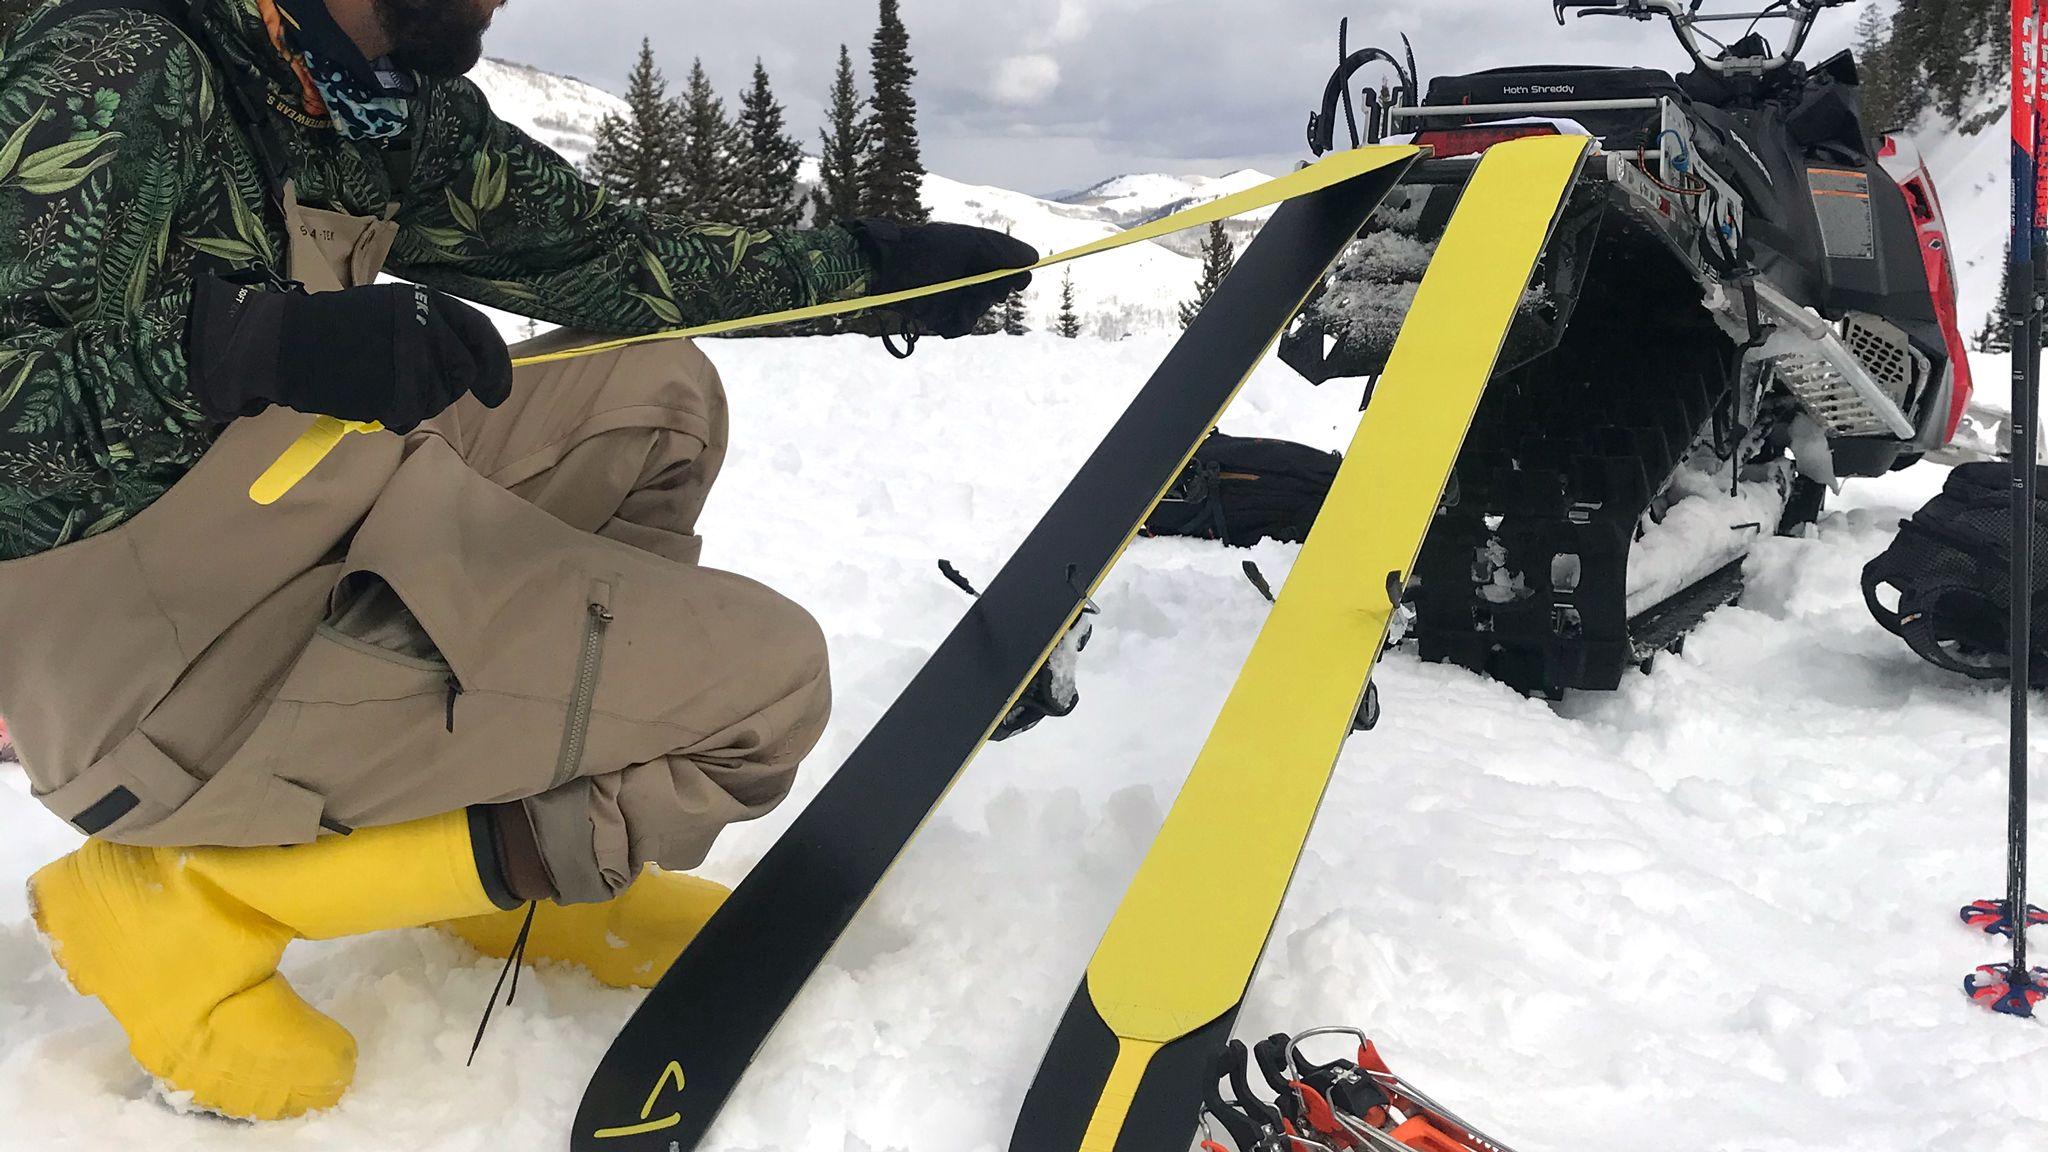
674, 1072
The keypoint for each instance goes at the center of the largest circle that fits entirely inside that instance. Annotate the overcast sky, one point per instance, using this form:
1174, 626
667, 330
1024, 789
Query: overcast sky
1045, 95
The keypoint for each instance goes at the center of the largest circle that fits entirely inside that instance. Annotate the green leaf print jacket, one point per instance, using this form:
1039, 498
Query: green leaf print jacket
126, 172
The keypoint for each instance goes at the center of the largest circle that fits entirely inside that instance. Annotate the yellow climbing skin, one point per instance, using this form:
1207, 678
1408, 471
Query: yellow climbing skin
326, 432
1216, 875
181, 945
627, 942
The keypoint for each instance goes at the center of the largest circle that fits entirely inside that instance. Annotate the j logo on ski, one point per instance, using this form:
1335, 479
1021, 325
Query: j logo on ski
647, 1124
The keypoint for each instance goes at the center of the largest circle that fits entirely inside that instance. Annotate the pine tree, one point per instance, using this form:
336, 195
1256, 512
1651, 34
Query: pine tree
1946, 55
636, 155
838, 195
892, 172
1218, 256
991, 322
769, 160
1997, 333
1884, 103
706, 180
1014, 321
1069, 322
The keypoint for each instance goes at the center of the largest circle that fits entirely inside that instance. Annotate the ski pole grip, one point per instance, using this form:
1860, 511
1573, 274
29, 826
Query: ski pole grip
302, 457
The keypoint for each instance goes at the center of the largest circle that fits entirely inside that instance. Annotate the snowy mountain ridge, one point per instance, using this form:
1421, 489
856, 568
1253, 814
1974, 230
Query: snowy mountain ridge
1135, 198
561, 112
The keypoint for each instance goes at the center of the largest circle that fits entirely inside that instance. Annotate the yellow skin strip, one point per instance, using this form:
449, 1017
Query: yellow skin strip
1222, 863
327, 432
1132, 1058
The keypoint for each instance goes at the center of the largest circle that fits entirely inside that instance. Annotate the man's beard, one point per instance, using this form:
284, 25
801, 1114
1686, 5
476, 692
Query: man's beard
435, 37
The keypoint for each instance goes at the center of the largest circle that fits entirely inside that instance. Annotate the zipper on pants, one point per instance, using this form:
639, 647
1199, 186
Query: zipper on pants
454, 686
589, 663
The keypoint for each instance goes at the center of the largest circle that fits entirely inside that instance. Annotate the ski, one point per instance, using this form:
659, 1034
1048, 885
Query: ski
1126, 1070
681, 1054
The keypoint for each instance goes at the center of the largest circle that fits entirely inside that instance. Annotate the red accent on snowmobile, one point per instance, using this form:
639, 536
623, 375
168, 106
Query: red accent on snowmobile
1448, 142
1902, 160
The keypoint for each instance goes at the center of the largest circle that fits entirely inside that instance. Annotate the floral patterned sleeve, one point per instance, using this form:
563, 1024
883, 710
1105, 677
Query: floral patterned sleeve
495, 217
99, 164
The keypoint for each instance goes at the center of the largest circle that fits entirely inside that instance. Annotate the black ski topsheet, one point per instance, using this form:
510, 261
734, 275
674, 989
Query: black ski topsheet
672, 1068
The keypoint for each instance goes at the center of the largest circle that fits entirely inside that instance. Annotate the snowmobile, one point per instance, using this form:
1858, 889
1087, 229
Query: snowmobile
1749, 299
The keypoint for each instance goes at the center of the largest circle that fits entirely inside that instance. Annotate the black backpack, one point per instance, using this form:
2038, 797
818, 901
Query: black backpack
1242, 491
1952, 569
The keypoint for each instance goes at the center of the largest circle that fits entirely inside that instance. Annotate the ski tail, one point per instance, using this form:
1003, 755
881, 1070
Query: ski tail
1125, 1071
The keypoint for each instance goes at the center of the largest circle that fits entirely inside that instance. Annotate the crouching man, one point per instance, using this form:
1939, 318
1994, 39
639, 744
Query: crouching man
460, 669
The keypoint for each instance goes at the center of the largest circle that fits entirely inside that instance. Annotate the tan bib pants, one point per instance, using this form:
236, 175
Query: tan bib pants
502, 606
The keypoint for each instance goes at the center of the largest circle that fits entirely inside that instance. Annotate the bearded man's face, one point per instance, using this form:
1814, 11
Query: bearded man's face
437, 37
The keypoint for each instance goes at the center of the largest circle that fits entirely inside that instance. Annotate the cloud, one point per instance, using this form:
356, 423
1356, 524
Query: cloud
1025, 80
1073, 22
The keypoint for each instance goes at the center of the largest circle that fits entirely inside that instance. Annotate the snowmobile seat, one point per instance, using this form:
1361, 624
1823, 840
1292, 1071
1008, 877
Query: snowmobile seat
1563, 84
1553, 83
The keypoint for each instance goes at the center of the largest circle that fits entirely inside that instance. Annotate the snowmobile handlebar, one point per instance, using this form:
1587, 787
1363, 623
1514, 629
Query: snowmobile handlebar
1708, 51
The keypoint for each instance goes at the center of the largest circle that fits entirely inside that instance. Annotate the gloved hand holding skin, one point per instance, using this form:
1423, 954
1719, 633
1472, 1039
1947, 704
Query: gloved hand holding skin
908, 256
396, 354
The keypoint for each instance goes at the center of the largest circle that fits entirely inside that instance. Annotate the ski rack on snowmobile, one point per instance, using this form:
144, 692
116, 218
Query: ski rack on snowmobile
1686, 19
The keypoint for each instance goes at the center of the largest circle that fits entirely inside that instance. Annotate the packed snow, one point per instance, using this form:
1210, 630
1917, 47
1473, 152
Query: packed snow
1717, 906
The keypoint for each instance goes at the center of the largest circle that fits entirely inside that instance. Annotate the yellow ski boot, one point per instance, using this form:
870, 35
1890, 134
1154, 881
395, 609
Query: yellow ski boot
626, 942
181, 945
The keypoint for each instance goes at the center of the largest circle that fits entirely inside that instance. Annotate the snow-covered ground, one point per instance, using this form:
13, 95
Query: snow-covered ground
1712, 911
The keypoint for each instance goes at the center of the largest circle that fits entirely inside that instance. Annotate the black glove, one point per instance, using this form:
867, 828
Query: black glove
393, 353
914, 255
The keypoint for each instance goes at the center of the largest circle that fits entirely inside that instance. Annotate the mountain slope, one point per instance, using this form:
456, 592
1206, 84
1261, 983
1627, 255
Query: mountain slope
559, 111
1133, 290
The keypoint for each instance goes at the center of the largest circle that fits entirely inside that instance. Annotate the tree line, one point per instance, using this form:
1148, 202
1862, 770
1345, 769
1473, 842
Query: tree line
687, 155
1938, 56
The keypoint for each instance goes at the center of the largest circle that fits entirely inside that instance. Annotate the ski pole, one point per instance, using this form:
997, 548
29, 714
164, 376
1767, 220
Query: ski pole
2027, 370
2016, 989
